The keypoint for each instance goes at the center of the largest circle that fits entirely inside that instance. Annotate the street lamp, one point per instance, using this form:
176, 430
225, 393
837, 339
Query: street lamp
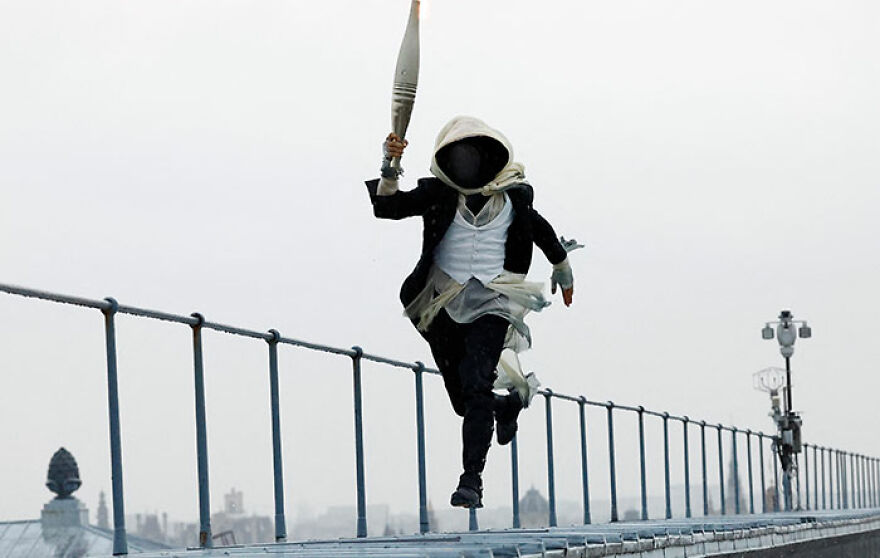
788, 440
786, 335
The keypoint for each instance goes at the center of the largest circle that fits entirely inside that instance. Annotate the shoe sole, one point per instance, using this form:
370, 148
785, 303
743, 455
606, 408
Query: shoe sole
458, 502
466, 505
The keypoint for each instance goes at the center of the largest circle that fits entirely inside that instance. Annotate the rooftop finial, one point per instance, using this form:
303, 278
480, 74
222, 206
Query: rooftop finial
63, 477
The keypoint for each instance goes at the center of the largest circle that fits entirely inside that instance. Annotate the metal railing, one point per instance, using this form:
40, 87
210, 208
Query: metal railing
852, 478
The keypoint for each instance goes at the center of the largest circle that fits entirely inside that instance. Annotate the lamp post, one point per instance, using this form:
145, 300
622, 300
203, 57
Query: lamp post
788, 422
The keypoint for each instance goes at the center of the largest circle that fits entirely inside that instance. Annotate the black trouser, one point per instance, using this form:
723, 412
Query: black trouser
467, 355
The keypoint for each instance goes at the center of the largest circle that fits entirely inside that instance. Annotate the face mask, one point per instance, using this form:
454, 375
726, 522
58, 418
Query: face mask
463, 165
472, 162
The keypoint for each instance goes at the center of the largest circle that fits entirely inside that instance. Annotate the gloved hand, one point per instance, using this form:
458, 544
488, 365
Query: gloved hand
562, 275
391, 148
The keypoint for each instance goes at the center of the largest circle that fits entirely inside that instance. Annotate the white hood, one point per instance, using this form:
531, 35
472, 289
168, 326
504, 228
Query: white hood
462, 127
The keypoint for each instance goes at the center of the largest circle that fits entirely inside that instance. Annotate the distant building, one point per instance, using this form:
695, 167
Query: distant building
103, 517
730, 495
232, 525
234, 502
533, 509
63, 530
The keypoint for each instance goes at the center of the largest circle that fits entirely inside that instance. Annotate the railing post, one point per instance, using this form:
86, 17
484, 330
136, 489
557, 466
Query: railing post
815, 478
280, 523
852, 479
834, 464
841, 488
822, 461
582, 403
763, 483
869, 463
847, 484
847, 498
844, 485
839, 478
833, 478
807, 473
857, 465
857, 484
205, 540
687, 468
666, 464
859, 480
862, 482
611, 465
775, 475
874, 481
721, 469
424, 526
826, 456
120, 540
873, 463
851, 485
642, 464
736, 489
876, 499
551, 474
797, 479
874, 470
359, 443
473, 523
751, 482
514, 481
705, 472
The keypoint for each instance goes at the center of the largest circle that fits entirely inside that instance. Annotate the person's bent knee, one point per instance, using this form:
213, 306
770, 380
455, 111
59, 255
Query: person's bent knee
482, 401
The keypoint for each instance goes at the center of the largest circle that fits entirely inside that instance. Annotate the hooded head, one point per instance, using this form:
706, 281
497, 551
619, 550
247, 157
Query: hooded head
474, 158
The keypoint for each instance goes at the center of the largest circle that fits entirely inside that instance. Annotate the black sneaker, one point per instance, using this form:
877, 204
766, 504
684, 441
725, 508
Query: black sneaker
505, 417
466, 497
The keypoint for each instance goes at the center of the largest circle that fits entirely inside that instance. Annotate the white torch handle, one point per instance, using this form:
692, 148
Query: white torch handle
406, 79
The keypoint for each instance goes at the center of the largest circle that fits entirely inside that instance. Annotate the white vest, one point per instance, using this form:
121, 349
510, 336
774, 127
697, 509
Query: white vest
469, 251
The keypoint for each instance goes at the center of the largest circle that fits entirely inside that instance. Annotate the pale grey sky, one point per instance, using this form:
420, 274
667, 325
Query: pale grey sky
720, 160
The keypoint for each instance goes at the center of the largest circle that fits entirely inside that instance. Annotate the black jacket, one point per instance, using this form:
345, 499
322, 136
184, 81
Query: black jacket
437, 203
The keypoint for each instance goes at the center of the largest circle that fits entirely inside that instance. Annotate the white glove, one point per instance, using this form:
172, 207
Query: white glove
561, 276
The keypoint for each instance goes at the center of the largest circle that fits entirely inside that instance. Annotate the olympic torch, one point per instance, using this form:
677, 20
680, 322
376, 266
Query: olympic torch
406, 80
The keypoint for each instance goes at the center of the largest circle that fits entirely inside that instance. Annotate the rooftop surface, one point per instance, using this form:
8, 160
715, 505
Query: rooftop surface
705, 536
28, 539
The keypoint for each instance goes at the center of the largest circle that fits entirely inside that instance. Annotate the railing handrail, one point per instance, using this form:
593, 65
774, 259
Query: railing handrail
861, 488
267, 335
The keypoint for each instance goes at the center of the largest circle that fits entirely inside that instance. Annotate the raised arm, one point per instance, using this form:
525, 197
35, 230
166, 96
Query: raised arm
388, 201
